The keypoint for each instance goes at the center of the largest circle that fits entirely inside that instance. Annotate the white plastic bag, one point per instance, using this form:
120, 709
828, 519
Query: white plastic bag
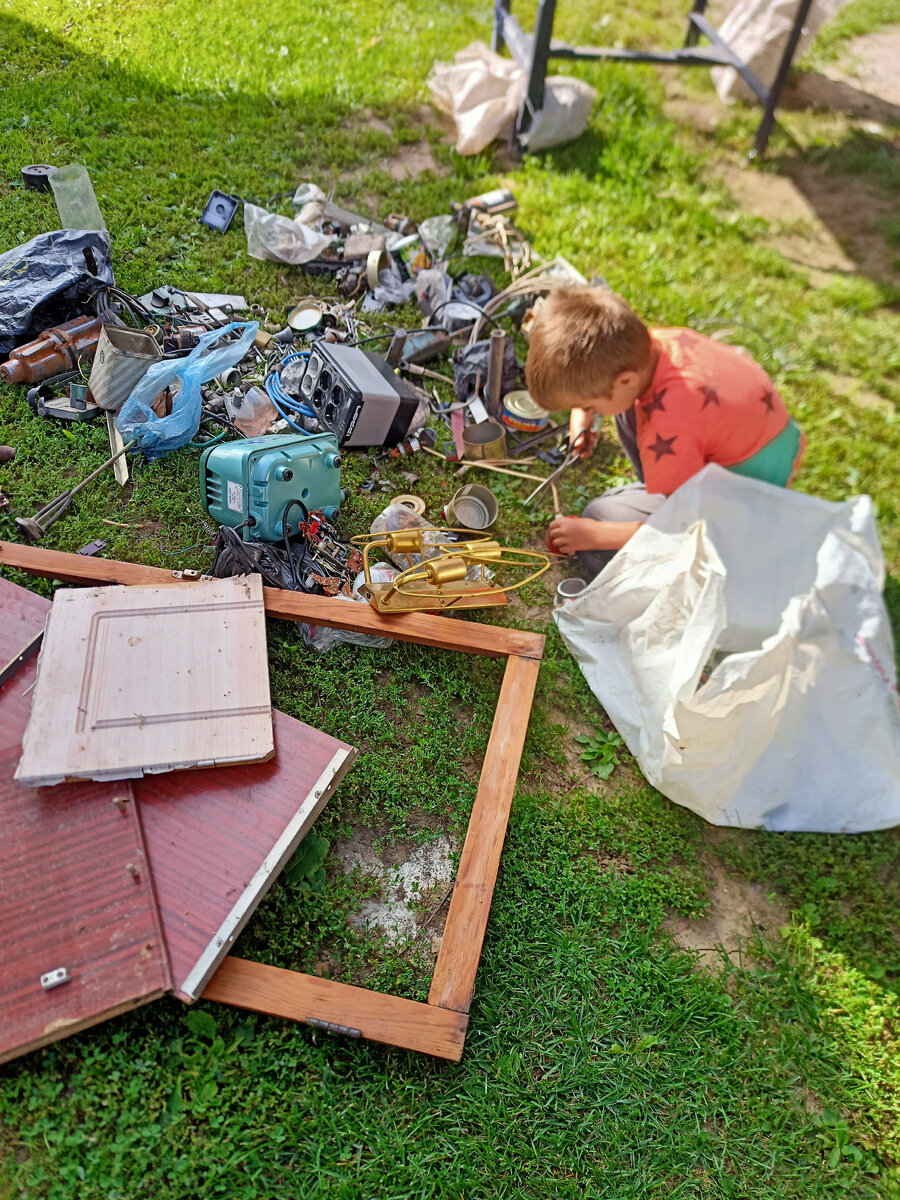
280, 239
483, 93
758, 31
794, 724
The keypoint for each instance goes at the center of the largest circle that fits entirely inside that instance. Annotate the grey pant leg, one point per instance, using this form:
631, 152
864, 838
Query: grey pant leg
626, 428
632, 502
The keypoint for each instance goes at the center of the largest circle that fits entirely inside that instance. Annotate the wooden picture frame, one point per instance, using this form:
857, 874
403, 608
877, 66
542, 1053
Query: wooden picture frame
437, 1027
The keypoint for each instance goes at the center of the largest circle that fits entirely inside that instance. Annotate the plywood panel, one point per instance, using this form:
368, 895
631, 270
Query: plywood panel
339, 1007
75, 888
218, 838
134, 680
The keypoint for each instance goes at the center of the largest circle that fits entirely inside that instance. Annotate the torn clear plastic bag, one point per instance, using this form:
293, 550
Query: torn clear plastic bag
281, 239
322, 637
392, 287
157, 436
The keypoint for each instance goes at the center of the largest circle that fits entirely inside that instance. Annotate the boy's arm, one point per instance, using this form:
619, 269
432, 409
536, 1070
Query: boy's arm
571, 534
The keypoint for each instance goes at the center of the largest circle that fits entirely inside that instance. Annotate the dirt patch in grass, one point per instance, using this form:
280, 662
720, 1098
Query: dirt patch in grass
414, 884
738, 910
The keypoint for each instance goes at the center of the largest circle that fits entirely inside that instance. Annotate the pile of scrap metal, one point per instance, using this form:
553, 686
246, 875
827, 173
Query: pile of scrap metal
272, 399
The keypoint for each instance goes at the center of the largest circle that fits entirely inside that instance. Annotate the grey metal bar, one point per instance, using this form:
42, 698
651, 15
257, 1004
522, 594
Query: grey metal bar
501, 12
752, 81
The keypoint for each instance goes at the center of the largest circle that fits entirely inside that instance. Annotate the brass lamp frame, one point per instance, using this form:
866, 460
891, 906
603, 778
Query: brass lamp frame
440, 582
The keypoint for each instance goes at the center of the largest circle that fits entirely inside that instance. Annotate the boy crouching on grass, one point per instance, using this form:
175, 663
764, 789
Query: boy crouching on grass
680, 400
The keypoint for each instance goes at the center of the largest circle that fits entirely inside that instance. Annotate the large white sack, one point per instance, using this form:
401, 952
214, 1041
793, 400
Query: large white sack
758, 31
483, 93
797, 727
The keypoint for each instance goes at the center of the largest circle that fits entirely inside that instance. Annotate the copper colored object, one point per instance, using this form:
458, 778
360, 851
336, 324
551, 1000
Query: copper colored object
56, 350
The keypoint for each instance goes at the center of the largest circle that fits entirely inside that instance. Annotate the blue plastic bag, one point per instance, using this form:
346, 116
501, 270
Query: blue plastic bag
157, 436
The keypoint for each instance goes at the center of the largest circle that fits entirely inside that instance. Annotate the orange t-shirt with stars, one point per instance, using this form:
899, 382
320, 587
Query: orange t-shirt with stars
707, 402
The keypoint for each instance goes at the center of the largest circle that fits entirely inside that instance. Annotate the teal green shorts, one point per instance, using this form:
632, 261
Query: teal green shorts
777, 460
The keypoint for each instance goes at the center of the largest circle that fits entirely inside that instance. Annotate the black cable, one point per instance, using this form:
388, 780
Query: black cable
305, 546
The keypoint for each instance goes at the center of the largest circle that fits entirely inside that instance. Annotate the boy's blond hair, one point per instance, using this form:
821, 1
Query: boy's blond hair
581, 339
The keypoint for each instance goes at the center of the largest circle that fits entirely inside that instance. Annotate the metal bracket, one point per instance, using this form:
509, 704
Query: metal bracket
53, 979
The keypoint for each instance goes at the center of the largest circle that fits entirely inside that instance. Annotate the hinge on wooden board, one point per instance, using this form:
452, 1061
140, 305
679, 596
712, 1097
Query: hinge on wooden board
330, 1027
189, 576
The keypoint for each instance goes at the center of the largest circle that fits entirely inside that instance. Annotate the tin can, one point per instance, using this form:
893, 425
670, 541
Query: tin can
522, 413
487, 439
567, 590
472, 507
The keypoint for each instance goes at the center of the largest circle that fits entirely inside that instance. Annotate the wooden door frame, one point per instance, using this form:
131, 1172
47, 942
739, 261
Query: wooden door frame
437, 1027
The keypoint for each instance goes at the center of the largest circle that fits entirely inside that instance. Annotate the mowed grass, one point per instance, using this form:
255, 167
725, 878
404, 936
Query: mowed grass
600, 1061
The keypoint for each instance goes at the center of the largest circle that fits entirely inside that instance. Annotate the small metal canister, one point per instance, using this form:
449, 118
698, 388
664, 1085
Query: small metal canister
487, 439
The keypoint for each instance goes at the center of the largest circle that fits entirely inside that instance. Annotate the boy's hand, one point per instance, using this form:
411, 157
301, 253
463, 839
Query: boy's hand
583, 443
567, 535
582, 435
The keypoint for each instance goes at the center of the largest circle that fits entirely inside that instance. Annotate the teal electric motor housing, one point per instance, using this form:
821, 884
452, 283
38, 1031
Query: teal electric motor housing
254, 480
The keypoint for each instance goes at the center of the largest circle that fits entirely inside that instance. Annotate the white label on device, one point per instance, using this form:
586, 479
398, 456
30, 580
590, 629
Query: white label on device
235, 496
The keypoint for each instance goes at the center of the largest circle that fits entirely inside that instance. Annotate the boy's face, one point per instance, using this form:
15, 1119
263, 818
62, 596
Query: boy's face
619, 396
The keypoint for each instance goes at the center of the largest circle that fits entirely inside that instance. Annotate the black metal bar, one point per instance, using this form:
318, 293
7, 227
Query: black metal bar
690, 57
533, 100
691, 37
752, 81
768, 118
501, 12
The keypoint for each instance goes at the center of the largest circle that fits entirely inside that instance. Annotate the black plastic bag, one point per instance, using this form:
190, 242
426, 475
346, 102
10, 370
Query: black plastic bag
470, 369
48, 280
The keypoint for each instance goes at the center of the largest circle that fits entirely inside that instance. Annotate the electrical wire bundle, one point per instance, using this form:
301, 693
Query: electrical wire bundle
284, 403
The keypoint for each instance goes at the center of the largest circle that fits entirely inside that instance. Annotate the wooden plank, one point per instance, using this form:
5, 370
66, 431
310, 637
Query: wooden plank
468, 637
344, 1009
453, 981
144, 679
218, 838
67, 896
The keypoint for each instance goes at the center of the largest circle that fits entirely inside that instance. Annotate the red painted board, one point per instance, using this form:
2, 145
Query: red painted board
218, 837
67, 897
22, 615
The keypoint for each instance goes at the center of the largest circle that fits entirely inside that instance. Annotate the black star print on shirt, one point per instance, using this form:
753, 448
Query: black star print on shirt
768, 401
663, 446
656, 404
710, 396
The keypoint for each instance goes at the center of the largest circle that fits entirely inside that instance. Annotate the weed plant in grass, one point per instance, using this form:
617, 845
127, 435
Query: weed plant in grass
600, 1061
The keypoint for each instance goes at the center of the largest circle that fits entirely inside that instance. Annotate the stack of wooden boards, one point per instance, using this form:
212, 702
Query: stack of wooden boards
131, 883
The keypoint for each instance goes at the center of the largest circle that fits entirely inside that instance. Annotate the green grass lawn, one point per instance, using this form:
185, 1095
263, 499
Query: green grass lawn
601, 1060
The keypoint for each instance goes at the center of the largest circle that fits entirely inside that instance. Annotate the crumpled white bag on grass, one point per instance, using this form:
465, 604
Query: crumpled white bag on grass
280, 239
795, 724
483, 92
758, 31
